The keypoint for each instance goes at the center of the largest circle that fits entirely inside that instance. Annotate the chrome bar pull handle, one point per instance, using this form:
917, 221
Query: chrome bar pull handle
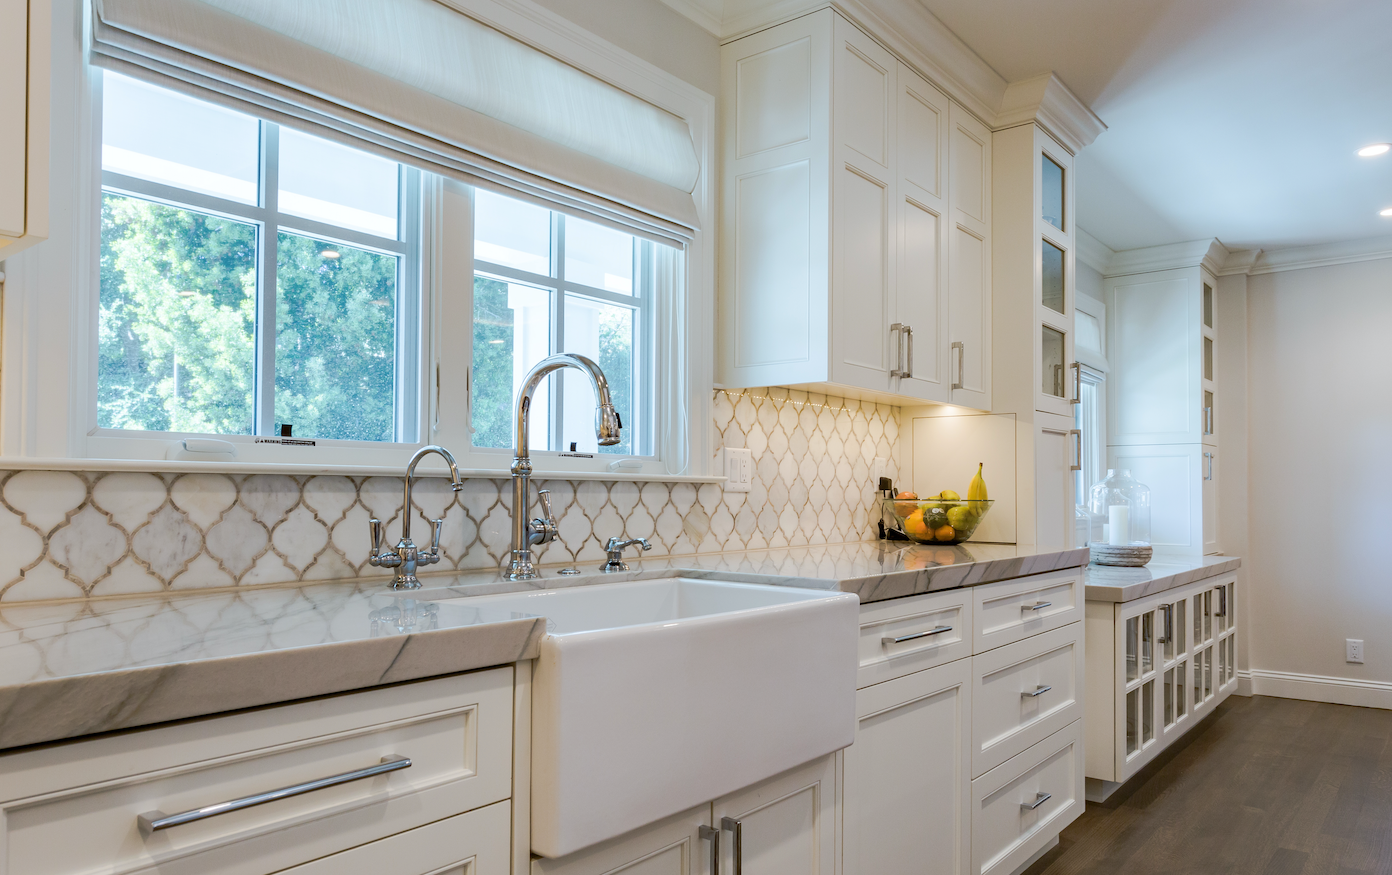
1208, 420
908, 366
1078, 463
1037, 606
961, 364
151, 821
736, 827
1039, 799
898, 328
1222, 601
1209, 458
1077, 384
910, 637
1169, 624
713, 836
1036, 692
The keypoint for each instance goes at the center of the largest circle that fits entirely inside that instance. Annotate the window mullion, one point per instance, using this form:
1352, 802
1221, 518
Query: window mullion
558, 330
266, 297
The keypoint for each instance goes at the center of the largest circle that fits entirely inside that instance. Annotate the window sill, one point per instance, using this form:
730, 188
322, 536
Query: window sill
428, 468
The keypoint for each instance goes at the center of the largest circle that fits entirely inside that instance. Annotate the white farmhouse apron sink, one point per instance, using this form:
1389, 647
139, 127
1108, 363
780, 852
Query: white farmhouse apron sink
651, 697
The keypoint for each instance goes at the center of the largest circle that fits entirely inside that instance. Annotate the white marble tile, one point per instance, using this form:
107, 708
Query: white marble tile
129, 497
87, 545
167, 543
45, 497
237, 540
203, 497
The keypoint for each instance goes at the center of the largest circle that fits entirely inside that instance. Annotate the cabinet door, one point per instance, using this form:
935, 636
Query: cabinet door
1210, 500
1154, 388
919, 348
678, 845
14, 90
863, 214
1056, 386
1055, 448
969, 266
782, 826
906, 780
475, 843
1174, 473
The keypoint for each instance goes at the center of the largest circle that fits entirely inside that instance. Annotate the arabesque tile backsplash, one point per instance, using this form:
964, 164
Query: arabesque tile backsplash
73, 535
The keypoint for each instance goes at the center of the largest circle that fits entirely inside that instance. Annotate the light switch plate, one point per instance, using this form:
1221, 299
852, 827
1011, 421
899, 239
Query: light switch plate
738, 469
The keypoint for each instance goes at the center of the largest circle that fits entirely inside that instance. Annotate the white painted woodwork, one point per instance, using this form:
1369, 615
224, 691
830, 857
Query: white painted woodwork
1063, 238
672, 846
906, 789
1180, 494
1005, 835
999, 611
882, 660
475, 843
1056, 449
789, 822
24, 98
946, 447
457, 731
1005, 721
1130, 664
839, 220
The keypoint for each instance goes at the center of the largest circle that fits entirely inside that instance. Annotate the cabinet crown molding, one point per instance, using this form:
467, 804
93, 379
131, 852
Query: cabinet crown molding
1209, 254
1046, 100
1212, 255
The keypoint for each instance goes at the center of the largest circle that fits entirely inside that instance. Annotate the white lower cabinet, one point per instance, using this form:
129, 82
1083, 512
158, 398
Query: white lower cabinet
466, 844
785, 825
1020, 806
906, 780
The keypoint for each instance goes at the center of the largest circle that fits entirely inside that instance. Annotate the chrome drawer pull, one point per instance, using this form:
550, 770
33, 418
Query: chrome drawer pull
1038, 691
902, 638
1037, 606
1039, 799
736, 827
713, 835
151, 821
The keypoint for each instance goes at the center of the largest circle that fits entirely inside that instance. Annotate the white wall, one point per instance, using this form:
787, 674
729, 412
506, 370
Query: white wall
652, 31
1089, 282
1320, 382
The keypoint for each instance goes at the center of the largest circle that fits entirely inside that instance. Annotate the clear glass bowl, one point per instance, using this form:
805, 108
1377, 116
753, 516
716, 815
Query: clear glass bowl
935, 521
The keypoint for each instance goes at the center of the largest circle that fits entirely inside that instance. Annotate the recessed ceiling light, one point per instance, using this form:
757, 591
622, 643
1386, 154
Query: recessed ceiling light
1374, 150
329, 253
1387, 212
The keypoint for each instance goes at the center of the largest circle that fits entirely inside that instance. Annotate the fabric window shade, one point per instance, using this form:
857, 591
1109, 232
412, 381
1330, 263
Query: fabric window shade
425, 84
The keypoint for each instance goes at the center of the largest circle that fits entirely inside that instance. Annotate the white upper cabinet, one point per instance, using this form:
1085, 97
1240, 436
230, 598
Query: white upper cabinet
24, 30
839, 230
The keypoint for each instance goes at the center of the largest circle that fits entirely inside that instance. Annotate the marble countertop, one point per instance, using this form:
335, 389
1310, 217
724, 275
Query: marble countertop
76, 668
1115, 584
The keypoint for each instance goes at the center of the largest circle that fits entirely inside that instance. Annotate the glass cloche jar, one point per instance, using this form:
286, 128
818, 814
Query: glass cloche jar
1121, 506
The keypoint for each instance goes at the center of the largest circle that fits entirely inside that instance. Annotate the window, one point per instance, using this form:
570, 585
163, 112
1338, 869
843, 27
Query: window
544, 283
253, 277
1089, 315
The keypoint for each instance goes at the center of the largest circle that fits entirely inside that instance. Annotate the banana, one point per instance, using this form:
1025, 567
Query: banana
977, 490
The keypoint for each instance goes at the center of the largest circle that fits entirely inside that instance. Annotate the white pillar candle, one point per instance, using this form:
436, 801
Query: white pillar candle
1118, 525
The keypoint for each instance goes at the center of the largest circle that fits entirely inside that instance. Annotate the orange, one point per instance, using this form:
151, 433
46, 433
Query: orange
944, 533
915, 527
904, 508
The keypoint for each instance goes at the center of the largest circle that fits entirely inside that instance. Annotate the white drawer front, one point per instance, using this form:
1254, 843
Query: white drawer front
1005, 831
456, 731
1013, 609
932, 629
466, 844
1023, 692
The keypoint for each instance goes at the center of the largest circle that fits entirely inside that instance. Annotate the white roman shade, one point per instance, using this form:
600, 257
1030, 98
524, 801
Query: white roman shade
420, 81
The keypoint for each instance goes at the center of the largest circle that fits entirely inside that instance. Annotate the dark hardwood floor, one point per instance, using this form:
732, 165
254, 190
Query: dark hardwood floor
1264, 786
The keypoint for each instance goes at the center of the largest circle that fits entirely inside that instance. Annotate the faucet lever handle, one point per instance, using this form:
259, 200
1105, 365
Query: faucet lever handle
375, 526
544, 495
436, 525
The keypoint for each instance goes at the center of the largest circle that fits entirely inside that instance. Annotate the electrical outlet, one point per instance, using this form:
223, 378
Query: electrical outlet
1353, 650
877, 470
738, 469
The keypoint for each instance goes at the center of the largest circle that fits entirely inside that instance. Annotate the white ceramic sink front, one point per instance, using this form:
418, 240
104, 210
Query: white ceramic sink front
650, 697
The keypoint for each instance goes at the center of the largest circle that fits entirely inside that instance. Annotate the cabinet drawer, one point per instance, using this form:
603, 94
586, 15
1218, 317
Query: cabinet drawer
1005, 830
933, 628
456, 732
1013, 609
1023, 692
466, 844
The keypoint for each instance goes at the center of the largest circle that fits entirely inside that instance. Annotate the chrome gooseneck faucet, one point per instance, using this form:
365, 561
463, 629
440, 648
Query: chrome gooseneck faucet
406, 555
526, 534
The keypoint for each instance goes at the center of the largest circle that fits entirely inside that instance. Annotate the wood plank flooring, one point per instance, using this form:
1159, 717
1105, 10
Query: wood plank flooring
1264, 787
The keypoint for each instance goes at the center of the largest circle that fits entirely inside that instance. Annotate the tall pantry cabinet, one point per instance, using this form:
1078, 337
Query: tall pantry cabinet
855, 233
24, 74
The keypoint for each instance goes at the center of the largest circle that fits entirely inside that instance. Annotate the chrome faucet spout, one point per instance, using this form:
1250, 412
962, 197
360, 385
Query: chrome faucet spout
406, 555
608, 426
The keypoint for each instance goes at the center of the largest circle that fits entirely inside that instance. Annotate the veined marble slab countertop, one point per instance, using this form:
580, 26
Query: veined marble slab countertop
69, 669
1107, 583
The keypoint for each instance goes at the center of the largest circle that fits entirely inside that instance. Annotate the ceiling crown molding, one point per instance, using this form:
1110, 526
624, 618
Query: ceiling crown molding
1093, 252
1321, 255
1209, 254
1046, 100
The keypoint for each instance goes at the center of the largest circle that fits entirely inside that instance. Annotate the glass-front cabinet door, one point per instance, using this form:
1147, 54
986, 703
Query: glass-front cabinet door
1057, 383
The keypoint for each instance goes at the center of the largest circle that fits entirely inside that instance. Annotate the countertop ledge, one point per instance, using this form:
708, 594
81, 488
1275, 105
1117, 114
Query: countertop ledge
1106, 583
69, 669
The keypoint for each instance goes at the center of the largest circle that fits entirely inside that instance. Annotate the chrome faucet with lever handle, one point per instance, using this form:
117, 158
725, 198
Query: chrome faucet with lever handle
613, 551
525, 534
406, 555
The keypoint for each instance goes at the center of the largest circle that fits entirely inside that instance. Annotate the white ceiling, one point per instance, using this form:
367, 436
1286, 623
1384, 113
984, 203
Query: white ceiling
1235, 119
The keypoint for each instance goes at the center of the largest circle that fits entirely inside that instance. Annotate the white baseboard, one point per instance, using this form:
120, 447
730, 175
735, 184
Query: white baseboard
1244, 683
1316, 688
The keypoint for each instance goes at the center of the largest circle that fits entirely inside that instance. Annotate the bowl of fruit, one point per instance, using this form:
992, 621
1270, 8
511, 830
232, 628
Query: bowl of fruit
945, 518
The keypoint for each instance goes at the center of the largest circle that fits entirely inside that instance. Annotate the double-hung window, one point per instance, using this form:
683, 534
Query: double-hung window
1089, 317
255, 280
545, 282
